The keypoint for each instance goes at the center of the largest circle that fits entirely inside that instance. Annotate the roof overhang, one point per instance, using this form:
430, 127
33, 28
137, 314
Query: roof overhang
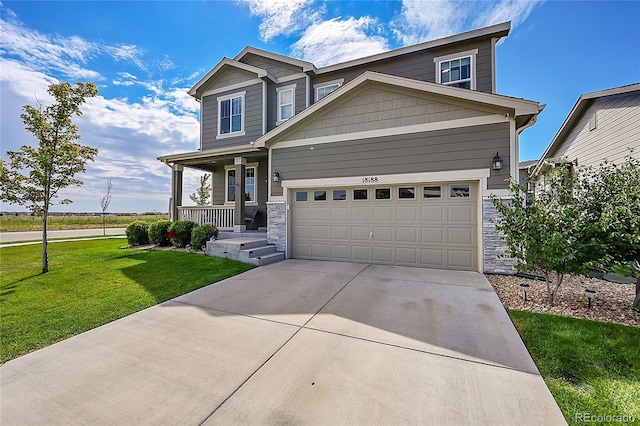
520, 107
186, 158
304, 65
579, 107
226, 62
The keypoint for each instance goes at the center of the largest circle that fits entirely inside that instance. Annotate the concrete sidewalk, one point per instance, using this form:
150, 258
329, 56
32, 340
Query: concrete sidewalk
299, 342
35, 237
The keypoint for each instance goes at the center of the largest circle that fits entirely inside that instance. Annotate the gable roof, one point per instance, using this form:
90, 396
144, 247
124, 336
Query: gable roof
260, 73
306, 66
580, 106
521, 107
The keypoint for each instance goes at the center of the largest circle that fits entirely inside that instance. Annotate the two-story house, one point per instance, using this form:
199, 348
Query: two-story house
386, 159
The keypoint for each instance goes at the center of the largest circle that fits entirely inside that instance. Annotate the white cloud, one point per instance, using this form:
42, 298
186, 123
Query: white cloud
282, 16
338, 40
421, 20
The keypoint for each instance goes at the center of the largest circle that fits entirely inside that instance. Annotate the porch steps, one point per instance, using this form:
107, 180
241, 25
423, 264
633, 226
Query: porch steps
255, 251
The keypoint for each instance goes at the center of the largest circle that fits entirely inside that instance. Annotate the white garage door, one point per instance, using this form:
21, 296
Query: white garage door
428, 225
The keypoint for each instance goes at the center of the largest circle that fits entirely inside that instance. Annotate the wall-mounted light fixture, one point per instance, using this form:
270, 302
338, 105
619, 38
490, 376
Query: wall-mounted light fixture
497, 162
276, 176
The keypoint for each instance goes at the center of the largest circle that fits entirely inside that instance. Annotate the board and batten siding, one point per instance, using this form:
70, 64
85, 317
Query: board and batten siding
617, 130
276, 68
463, 148
379, 106
252, 119
420, 65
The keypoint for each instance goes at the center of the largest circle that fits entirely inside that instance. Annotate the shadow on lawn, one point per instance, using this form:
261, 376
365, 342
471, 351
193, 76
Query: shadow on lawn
10, 288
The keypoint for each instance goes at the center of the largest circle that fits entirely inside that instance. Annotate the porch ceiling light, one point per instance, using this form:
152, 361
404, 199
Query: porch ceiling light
497, 162
276, 176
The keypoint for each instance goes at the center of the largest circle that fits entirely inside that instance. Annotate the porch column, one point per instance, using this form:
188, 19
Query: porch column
238, 215
176, 191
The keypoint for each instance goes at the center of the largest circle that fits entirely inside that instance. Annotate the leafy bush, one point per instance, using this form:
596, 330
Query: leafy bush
158, 232
181, 232
138, 233
201, 234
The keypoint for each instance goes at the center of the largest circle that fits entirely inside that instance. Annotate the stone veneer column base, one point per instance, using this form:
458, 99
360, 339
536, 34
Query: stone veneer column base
494, 248
277, 225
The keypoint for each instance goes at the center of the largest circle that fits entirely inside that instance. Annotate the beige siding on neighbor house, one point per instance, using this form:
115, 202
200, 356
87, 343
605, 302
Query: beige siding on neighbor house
276, 68
228, 77
380, 107
617, 130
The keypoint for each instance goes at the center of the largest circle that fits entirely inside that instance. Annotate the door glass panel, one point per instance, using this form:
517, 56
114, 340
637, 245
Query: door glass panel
407, 193
432, 192
360, 194
458, 191
319, 195
301, 196
383, 193
339, 194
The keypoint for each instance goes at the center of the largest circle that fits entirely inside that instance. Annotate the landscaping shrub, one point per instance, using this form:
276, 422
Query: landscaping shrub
158, 233
201, 234
138, 233
181, 232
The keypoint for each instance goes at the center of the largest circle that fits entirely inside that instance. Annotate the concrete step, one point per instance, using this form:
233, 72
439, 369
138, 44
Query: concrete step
258, 251
267, 259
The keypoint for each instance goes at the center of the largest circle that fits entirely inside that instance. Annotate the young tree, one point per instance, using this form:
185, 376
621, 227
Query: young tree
104, 205
543, 235
34, 176
203, 193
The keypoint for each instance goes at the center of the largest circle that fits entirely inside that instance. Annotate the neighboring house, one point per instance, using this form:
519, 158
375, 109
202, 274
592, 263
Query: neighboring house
602, 125
525, 168
386, 159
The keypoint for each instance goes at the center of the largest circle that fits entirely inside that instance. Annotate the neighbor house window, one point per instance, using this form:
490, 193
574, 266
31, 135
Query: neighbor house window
286, 102
250, 184
457, 70
323, 89
231, 115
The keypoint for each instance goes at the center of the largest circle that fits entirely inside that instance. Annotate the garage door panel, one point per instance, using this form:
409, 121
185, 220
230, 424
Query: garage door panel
438, 232
432, 235
407, 234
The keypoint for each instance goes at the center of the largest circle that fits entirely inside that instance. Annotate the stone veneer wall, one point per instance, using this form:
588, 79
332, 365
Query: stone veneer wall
277, 225
494, 247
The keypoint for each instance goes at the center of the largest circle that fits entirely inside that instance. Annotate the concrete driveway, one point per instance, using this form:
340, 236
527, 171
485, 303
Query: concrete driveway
296, 342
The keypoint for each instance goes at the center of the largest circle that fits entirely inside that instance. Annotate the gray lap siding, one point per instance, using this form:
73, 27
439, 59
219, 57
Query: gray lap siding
443, 150
252, 119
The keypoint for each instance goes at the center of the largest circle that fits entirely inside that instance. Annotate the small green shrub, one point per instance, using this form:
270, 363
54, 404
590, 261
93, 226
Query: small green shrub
180, 232
201, 234
138, 233
158, 232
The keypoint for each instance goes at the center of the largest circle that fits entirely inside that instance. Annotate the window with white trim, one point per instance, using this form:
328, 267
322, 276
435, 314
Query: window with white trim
457, 70
231, 115
323, 89
286, 102
250, 184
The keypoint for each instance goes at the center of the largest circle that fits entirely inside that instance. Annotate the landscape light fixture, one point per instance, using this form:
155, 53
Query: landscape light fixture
276, 176
589, 294
497, 162
525, 289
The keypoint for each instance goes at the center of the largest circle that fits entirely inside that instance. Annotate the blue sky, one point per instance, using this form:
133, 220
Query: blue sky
145, 55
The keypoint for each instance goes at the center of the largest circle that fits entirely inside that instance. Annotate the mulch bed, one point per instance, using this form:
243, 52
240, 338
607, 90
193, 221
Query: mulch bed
612, 302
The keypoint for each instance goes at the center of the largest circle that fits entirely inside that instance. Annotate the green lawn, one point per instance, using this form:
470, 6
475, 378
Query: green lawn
12, 223
90, 283
591, 368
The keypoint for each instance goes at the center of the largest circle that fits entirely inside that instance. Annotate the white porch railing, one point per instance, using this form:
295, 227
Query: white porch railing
220, 216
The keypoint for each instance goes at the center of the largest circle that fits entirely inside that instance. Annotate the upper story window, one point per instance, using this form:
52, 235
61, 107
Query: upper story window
286, 102
457, 70
323, 89
231, 115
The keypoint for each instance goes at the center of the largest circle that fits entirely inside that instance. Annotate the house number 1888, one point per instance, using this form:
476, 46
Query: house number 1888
370, 179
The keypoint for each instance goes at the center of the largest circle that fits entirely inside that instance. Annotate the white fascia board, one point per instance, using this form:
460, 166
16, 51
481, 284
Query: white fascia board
520, 106
198, 155
396, 179
306, 66
498, 30
232, 63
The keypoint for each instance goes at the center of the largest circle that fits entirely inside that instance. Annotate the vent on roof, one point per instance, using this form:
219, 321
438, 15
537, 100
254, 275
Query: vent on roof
592, 122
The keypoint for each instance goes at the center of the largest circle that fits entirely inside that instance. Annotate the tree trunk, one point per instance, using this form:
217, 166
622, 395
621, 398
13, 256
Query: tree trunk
104, 225
45, 252
636, 302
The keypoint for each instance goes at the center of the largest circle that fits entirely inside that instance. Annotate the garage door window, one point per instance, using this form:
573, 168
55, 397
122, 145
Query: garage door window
319, 195
339, 194
383, 193
301, 196
360, 194
458, 191
406, 193
432, 192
